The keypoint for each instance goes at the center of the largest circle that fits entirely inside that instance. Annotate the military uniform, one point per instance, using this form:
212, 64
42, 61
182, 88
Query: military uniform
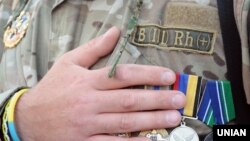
184, 35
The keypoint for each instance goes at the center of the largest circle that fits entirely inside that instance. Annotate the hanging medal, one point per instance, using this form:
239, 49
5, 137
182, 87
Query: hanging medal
16, 31
156, 135
190, 85
183, 133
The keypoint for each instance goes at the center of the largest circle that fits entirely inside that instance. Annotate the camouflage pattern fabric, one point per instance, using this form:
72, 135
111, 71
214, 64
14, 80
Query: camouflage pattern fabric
58, 26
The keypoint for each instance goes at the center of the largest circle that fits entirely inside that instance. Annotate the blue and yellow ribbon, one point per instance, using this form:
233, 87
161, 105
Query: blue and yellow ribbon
190, 85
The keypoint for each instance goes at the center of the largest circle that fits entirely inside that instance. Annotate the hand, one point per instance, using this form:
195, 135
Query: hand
73, 103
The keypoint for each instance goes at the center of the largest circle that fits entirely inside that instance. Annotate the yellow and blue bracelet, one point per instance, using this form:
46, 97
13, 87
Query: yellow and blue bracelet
8, 125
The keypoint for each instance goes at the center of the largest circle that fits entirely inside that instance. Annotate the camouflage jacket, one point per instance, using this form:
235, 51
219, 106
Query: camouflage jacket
194, 44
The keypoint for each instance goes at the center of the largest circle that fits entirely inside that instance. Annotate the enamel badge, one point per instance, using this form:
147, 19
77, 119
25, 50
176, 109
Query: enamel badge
16, 31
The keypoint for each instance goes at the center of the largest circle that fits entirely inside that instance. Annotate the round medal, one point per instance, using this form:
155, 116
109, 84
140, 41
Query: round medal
184, 133
16, 31
156, 135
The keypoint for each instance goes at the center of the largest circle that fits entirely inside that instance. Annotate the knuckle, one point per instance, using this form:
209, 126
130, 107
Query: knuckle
81, 105
162, 99
85, 101
156, 119
80, 123
81, 80
107, 127
81, 109
123, 72
65, 57
64, 60
126, 123
91, 43
129, 101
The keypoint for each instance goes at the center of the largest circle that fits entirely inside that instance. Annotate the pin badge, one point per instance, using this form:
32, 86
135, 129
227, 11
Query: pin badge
16, 31
156, 135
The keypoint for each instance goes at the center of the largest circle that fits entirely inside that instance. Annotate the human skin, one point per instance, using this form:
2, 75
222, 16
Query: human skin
73, 103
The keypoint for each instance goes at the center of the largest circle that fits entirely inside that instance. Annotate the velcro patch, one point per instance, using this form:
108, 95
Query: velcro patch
174, 38
191, 15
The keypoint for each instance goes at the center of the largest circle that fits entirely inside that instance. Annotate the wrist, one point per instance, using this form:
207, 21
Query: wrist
8, 113
22, 119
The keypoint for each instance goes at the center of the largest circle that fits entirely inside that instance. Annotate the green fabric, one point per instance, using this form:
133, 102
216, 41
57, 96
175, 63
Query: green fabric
229, 99
210, 121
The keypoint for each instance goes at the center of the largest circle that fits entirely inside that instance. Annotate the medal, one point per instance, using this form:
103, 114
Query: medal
156, 135
16, 31
183, 133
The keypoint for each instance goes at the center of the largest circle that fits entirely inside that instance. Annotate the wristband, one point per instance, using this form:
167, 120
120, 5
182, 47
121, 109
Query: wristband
5, 130
11, 114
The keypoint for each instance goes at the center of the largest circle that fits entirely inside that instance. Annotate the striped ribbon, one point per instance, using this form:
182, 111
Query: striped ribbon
190, 85
216, 105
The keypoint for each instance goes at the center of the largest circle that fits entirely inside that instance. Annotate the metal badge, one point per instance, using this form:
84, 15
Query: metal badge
156, 135
16, 31
184, 133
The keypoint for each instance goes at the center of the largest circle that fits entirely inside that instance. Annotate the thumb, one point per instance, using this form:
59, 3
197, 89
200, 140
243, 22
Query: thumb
89, 53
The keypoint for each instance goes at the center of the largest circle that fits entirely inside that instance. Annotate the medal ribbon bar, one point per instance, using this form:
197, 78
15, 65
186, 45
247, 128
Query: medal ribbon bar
190, 85
217, 105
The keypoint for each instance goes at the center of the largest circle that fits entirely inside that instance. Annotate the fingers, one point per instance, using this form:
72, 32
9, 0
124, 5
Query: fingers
138, 100
89, 53
139, 121
114, 138
131, 75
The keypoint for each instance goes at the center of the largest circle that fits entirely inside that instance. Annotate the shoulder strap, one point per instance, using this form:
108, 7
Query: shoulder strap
232, 47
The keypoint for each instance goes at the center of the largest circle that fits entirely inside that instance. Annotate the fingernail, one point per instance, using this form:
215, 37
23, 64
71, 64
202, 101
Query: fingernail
173, 118
168, 77
179, 100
